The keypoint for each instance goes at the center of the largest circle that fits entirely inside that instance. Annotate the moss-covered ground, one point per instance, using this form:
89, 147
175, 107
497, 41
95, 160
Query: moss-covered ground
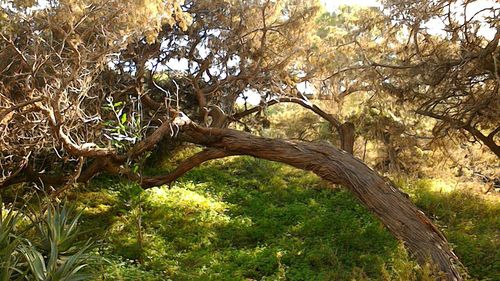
248, 219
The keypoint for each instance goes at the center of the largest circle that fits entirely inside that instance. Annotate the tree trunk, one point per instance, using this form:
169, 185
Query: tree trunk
347, 137
401, 217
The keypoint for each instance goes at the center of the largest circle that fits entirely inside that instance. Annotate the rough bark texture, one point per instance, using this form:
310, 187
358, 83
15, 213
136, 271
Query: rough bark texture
391, 206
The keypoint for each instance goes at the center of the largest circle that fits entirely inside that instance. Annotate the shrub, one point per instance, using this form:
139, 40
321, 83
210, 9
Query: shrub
54, 253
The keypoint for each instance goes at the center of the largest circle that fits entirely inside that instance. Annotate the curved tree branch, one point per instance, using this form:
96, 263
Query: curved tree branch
306, 104
185, 166
380, 196
345, 130
403, 219
6, 111
486, 140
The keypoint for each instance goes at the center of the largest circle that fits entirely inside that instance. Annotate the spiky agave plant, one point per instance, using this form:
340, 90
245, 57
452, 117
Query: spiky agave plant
55, 266
56, 254
8, 243
58, 229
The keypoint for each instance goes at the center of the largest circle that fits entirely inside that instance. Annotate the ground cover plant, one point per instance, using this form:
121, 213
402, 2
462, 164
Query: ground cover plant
233, 220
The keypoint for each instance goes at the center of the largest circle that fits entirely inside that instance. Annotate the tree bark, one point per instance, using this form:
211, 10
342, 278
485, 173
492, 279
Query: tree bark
393, 207
347, 136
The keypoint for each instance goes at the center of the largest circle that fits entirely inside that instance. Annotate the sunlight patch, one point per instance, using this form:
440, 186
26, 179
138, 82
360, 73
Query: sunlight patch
442, 186
184, 198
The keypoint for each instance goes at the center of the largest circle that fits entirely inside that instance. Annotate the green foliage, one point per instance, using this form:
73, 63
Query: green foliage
124, 129
470, 222
401, 267
57, 267
8, 243
47, 249
58, 230
234, 220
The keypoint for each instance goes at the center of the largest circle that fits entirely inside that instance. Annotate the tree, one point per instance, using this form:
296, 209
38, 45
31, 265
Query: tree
440, 58
86, 89
460, 69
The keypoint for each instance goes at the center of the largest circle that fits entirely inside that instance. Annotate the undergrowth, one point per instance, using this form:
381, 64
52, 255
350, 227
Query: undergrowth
469, 221
43, 242
249, 219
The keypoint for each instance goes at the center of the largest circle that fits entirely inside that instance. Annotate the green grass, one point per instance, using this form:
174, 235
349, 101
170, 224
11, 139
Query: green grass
249, 219
470, 222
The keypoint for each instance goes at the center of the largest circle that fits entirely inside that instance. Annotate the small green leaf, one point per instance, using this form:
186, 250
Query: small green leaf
123, 118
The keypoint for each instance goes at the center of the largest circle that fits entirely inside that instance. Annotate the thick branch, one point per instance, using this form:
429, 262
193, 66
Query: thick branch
150, 142
112, 164
390, 205
185, 166
486, 140
345, 130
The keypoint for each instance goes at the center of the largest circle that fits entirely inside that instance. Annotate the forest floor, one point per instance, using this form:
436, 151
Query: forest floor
247, 219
